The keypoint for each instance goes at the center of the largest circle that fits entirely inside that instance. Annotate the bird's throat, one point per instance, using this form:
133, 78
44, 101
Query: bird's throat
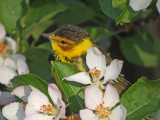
75, 51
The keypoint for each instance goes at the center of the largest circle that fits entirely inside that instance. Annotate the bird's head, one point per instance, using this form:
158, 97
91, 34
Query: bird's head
69, 41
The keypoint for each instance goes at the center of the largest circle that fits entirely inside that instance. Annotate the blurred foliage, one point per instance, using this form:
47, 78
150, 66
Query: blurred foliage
37, 60
139, 50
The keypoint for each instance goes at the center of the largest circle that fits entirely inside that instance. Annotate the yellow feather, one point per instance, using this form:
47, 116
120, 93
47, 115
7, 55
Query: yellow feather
76, 51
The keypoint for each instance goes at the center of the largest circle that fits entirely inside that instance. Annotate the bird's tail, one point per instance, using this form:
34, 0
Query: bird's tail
121, 84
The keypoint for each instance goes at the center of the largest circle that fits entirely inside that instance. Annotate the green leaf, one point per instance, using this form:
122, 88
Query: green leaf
157, 48
108, 9
95, 5
37, 60
31, 79
41, 27
141, 99
138, 49
42, 10
10, 13
35, 29
127, 14
46, 45
39, 17
97, 33
73, 91
77, 13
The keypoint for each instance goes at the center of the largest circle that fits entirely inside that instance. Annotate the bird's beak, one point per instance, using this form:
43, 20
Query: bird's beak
47, 35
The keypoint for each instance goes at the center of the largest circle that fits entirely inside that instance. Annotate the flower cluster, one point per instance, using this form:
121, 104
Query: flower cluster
11, 64
101, 100
100, 105
35, 105
96, 62
10, 61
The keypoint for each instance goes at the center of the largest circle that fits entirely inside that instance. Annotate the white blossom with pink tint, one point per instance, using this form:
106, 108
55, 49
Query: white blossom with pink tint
99, 106
10, 61
16, 110
137, 5
96, 62
39, 107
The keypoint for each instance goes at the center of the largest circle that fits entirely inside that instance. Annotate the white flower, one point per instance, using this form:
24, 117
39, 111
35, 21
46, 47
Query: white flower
39, 107
137, 5
96, 62
99, 106
34, 104
16, 110
10, 62
10, 65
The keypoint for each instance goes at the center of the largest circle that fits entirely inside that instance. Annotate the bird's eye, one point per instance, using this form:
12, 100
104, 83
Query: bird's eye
64, 42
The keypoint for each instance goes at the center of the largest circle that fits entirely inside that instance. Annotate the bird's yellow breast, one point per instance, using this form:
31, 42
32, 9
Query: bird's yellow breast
65, 53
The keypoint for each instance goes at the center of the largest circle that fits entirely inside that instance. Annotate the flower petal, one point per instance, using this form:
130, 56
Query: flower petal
54, 93
119, 113
81, 77
61, 106
10, 62
113, 70
6, 75
22, 67
158, 6
137, 5
6, 98
1, 60
22, 92
95, 58
19, 56
93, 97
35, 100
13, 111
111, 96
3, 33
156, 115
87, 114
12, 45
39, 117
29, 110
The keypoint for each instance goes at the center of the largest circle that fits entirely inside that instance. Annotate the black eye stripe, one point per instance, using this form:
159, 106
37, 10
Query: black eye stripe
64, 42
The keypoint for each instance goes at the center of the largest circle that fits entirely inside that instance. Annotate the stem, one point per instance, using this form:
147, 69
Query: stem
33, 43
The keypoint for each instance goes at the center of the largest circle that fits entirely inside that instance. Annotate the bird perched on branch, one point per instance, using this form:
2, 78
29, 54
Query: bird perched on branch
70, 44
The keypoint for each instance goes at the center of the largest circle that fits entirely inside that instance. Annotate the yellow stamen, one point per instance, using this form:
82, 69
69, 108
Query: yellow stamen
102, 112
49, 110
95, 73
3, 48
73, 117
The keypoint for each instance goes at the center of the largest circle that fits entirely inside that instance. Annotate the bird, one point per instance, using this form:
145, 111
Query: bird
70, 44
